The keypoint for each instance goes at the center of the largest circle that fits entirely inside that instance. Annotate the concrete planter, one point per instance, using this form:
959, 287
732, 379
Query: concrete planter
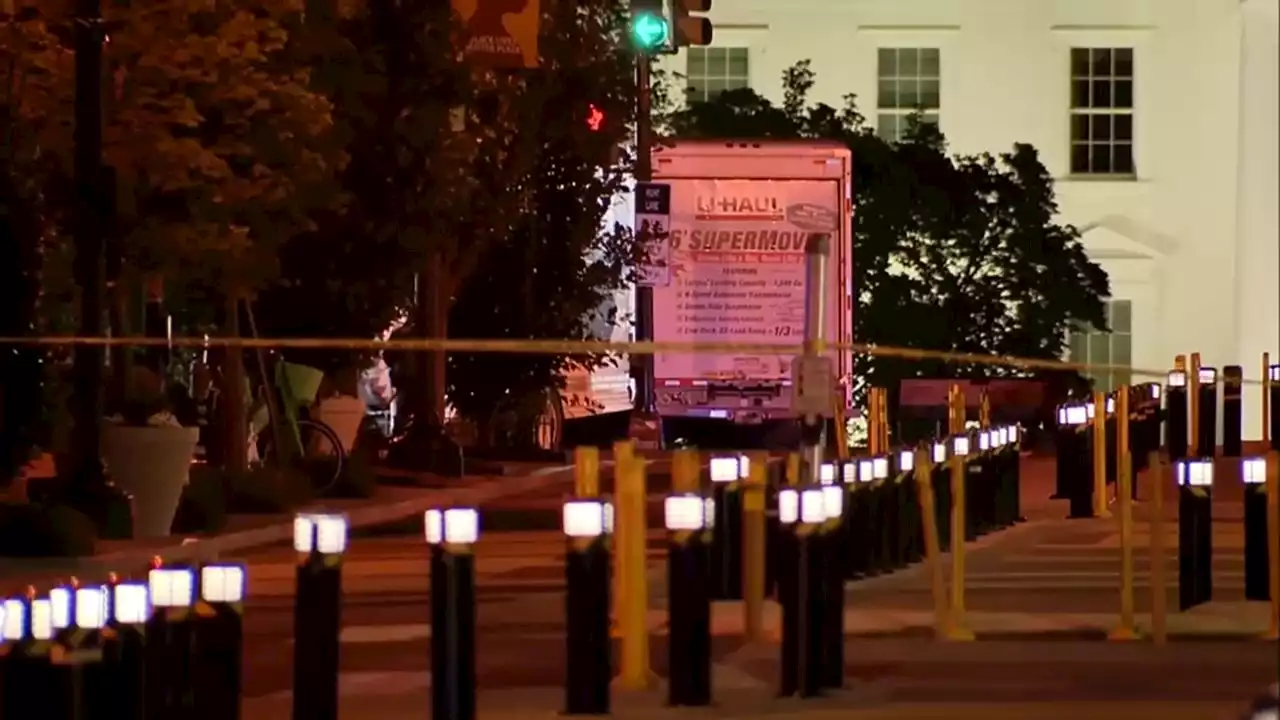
152, 465
344, 414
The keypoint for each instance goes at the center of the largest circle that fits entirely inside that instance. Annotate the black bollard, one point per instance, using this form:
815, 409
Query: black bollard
1257, 568
875, 500
1195, 532
85, 652
1273, 407
124, 651
219, 642
589, 649
1175, 403
727, 474
1207, 443
910, 531
800, 580
1064, 438
689, 600
33, 685
831, 639
451, 535
940, 477
1232, 411
1014, 437
169, 648
856, 554
320, 541
1075, 460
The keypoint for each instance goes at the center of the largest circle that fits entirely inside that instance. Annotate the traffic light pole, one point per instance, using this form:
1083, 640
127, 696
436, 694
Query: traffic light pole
645, 427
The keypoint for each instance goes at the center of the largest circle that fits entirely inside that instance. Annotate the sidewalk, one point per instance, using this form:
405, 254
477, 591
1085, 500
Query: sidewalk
390, 504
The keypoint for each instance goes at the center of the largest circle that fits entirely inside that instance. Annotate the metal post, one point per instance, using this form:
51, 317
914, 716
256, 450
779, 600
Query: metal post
1125, 630
644, 420
813, 425
755, 551
1253, 471
587, 524
320, 541
219, 644
451, 535
688, 600
169, 652
124, 652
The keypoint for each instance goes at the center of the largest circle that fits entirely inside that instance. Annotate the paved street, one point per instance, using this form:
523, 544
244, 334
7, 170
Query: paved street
1027, 583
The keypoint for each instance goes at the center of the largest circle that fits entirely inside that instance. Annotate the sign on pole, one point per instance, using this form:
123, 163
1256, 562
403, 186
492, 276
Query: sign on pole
653, 228
815, 382
500, 33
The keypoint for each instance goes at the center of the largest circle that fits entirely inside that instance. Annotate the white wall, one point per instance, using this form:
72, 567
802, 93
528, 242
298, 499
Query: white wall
1199, 260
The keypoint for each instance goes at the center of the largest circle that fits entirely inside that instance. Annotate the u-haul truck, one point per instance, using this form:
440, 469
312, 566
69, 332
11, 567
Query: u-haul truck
741, 212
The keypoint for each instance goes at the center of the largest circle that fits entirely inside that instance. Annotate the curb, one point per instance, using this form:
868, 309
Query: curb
193, 550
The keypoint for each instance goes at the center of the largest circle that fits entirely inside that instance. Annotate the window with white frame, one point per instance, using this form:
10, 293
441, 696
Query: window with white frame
1102, 111
1090, 346
712, 70
910, 81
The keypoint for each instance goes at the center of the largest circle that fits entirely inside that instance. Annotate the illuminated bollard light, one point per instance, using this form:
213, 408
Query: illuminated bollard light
170, 689
588, 528
1232, 411
320, 541
911, 528
1195, 531
688, 519
86, 653
880, 520
801, 513
1257, 556
829, 537
32, 686
727, 477
1207, 443
940, 478
1273, 407
219, 643
124, 651
451, 535
1176, 420
1075, 460
1014, 436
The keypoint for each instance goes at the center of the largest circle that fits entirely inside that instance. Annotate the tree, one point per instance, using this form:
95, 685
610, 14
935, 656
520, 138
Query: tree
951, 253
554, 275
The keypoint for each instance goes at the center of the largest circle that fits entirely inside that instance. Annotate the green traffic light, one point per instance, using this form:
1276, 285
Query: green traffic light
650, 30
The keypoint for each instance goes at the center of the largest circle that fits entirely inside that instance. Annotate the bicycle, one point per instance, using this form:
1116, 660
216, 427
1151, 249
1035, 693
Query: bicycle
293, 392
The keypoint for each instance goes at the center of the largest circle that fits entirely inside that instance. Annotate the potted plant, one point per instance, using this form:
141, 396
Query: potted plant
148, 452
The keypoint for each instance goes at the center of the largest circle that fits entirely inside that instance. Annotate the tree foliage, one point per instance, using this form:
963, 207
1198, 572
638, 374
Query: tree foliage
557, 271
955, 253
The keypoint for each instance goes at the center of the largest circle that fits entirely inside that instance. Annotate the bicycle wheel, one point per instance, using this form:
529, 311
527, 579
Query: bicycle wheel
319, 438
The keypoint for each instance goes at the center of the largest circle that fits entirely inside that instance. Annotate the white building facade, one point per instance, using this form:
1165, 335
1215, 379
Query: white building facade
1157, 117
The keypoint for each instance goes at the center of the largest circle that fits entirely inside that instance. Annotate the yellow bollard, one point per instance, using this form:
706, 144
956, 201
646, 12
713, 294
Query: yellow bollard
630, 533
754, 547
793, 469
1124, 466
932, 551
873, 421
1159, 580
957, 627
686, 474
956, 410
984, 411
883, 421
1100, 509
1273, 541
586, 471
842, 430
1266, 402
1193, 407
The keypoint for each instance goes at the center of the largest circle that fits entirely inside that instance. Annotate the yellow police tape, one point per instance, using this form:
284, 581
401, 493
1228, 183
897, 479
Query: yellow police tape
578, 347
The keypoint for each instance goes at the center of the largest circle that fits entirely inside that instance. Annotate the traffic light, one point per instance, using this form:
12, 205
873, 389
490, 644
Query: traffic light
691, 29
650, 26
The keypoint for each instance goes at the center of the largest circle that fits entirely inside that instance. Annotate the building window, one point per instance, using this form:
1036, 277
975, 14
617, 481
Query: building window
1102, 111
712, 70
1090, 346
910, 82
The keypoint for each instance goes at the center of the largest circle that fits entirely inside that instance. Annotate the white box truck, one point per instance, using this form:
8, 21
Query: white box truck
741, 213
